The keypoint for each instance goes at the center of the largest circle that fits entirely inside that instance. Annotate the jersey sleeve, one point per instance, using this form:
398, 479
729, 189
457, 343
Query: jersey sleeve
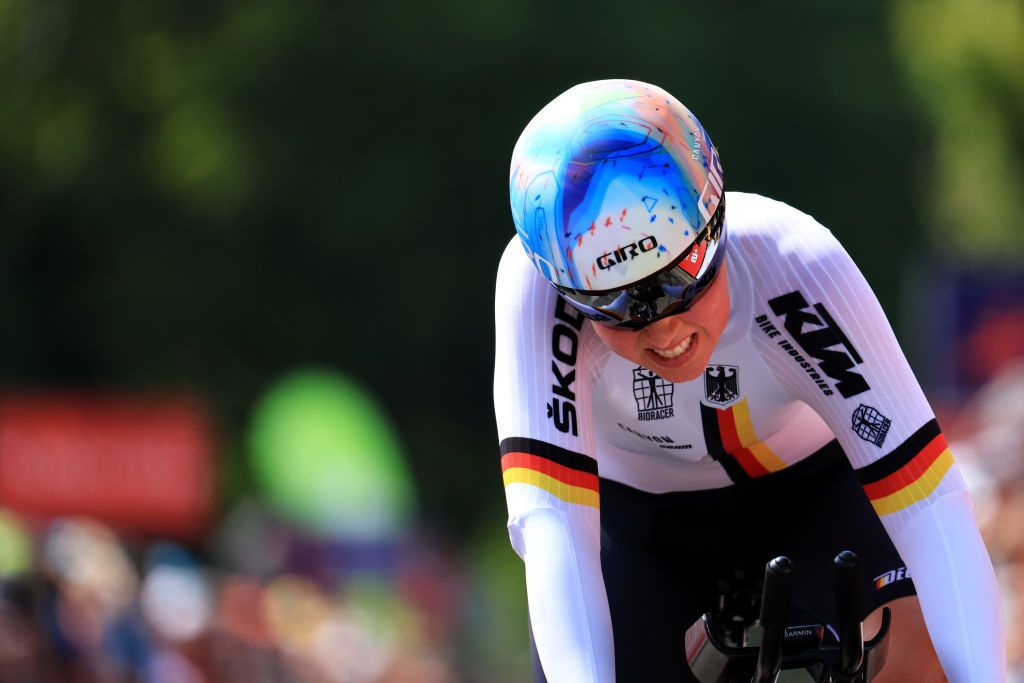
824, 335
542, 393
544, 365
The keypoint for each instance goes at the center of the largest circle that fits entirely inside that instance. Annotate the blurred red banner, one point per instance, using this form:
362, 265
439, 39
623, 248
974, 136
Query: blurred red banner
140, 464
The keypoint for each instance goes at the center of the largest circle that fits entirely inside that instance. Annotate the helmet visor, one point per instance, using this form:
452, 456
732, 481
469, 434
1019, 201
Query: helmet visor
672, 290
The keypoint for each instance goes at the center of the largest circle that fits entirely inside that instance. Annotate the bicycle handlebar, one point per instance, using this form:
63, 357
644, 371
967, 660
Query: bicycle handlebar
776, 603
850, 614
712, 660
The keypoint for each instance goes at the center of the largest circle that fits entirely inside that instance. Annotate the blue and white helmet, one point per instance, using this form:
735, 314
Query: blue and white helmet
612, 182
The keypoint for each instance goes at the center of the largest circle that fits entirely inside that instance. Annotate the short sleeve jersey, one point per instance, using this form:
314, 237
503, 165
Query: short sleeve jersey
807, 355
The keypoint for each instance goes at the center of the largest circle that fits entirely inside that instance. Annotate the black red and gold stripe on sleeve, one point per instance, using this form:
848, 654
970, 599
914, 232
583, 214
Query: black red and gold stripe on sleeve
908, 474
569, 476
730, 438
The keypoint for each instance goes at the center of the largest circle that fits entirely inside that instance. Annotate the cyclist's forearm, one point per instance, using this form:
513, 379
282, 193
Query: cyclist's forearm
568, 604
957, 589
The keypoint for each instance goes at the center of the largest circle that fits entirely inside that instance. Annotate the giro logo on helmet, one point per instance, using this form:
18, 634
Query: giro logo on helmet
626, 253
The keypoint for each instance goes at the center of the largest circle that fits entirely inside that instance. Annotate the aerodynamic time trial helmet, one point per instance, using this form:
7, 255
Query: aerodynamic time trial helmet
617, 197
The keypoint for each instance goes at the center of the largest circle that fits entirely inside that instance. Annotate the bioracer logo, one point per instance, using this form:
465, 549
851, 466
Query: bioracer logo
653, 395
817, 335
870, 425
626, 253
565, 344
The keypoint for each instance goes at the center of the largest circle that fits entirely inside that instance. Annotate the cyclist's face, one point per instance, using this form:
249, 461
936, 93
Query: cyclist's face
677, 347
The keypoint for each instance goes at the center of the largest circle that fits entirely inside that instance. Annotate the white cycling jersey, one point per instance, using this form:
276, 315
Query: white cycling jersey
807, 355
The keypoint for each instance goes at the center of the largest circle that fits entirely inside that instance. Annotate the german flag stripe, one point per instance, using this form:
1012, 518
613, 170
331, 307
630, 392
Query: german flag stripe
716, 449
569, 476
916, 491
552, 469
750, 463
732, 441
910, 473
556, 454
748, 439
731, 431
900, 456
767, 457
744, 428
570, 494
727, 428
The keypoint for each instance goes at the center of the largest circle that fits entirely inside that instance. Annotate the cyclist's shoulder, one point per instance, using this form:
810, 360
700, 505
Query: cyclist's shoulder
516, 276
525, 300
512, 256
754, 215
515, 268
769, 233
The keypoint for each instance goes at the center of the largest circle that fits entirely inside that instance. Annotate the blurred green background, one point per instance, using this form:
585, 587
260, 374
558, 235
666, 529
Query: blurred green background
204, 196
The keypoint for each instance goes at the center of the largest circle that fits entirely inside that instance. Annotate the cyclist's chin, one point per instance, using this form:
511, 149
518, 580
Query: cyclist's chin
685, 373
682, 369
686, 366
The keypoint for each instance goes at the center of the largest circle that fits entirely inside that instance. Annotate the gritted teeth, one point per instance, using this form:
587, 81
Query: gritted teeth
675, 350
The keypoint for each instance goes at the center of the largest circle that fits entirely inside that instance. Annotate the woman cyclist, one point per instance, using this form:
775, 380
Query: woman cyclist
689, 381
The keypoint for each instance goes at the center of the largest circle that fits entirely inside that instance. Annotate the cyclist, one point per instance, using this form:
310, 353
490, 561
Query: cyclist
708, 383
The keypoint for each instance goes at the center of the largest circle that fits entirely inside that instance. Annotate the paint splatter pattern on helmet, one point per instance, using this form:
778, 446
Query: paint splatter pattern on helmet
610, 183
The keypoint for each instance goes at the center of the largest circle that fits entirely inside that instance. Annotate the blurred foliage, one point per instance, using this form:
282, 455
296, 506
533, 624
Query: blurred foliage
965, 60
15, 546
327, 459
206, 195
497, 618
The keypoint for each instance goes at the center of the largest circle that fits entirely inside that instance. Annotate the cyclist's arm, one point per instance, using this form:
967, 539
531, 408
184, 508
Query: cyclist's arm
957, 588
845, 362
568, 605
542, 406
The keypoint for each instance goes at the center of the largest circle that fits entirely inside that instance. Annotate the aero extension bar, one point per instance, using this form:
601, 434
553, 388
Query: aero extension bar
794, 647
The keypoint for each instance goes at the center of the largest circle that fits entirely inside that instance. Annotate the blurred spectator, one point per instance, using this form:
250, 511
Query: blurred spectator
24, 657
85, 611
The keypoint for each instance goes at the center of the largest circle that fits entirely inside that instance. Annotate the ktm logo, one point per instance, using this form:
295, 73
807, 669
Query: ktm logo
820, 337
626, 253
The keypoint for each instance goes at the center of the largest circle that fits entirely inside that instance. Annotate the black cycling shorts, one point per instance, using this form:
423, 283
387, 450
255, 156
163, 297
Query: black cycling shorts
663, 555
